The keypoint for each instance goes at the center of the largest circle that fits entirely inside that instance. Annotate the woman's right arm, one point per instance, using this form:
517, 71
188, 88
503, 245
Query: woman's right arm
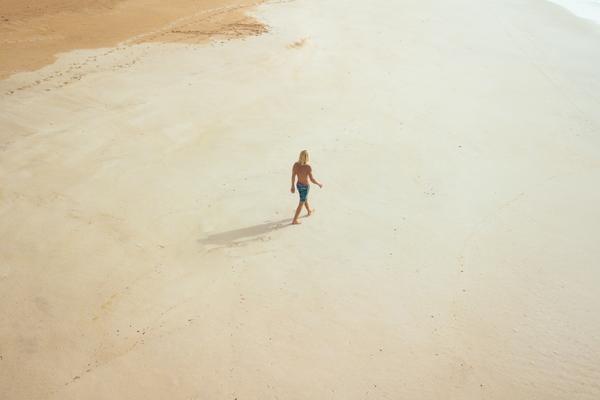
293, 188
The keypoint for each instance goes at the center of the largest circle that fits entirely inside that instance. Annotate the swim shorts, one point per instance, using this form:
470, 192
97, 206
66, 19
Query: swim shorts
302, 191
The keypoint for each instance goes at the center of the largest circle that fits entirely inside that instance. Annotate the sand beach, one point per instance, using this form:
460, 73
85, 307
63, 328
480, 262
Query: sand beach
145, 158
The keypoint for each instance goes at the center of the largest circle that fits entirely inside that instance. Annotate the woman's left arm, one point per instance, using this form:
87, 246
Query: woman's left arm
313, 180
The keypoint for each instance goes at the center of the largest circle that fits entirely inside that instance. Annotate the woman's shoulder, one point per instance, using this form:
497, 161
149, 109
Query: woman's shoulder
298, 165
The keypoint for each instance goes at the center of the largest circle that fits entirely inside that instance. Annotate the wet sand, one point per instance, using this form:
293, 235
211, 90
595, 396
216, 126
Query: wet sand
146, 250
34, 32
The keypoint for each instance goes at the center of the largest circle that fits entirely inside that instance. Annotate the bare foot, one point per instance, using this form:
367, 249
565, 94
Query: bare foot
310, 212
296, 222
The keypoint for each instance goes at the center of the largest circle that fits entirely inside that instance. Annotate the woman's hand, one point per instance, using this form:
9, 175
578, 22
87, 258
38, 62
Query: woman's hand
293, 189
320, 185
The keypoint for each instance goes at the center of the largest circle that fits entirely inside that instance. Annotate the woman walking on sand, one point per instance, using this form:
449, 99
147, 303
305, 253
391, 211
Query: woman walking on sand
303, 171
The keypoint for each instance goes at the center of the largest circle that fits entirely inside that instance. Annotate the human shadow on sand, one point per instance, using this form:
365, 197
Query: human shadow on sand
238, 237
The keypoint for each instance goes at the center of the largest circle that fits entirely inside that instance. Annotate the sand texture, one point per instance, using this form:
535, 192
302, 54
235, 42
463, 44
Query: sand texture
146, 250
33, 32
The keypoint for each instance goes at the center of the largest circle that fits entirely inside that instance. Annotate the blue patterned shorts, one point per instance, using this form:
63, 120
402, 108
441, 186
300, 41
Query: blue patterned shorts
302, 191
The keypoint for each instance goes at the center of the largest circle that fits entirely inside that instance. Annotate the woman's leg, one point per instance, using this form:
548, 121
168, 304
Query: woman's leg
307, 207
298, 209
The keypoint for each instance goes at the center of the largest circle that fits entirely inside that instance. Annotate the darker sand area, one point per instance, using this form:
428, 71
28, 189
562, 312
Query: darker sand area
34, 32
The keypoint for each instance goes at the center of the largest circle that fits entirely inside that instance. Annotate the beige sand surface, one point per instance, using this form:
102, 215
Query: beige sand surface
454, 251
33, 32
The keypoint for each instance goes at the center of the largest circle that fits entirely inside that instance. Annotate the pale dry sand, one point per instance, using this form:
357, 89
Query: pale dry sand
144, 203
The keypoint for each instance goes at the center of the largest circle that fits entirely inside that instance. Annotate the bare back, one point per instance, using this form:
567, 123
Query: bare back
303, 172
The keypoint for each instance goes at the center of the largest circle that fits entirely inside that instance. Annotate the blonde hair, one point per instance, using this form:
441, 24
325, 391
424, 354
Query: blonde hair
303, 157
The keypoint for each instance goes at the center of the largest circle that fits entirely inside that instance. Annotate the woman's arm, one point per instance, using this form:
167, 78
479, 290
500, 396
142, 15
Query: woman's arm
293, 188
313, 180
